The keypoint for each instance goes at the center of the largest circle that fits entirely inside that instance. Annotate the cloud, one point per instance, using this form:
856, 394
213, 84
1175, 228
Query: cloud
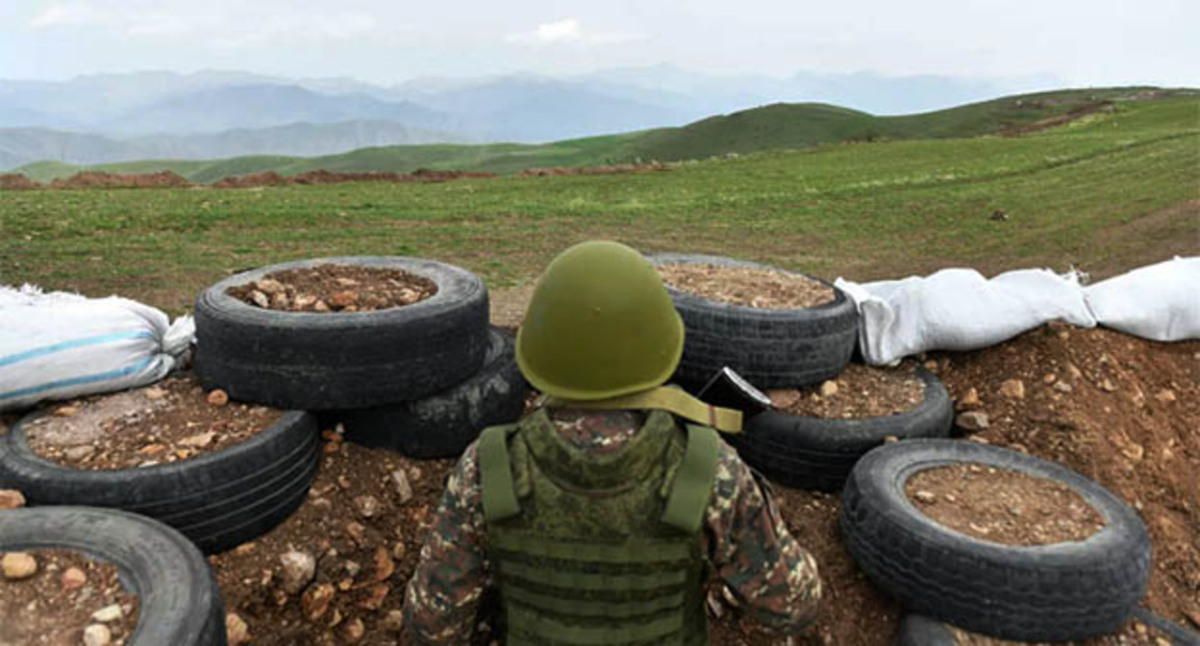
254, 25
569, 31
65, 15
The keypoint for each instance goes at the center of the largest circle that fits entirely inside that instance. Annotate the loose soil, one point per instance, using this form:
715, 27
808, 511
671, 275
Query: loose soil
1002, 506
17, 182
366, 538
1138, 439
335, 288
747, 286
171, 422
99, 179
54, 608
860, 391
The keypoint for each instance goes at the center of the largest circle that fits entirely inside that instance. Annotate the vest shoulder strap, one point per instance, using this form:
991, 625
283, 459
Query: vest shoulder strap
495, 473
692, 487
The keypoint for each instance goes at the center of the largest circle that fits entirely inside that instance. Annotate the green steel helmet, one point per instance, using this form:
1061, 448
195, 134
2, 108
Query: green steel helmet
600, 325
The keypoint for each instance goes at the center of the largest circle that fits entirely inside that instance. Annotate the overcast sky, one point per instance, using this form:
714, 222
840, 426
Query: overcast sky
1079, 42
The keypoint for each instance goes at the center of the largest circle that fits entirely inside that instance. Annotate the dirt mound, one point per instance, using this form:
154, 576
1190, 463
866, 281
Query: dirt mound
1062, 119
100, 179
17, 182
269, 178
595, 170
320, 177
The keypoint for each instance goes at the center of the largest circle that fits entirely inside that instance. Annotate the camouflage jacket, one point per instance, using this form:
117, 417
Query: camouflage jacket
772, 579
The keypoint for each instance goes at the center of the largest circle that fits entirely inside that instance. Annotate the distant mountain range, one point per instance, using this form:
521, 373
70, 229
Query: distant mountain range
119, 117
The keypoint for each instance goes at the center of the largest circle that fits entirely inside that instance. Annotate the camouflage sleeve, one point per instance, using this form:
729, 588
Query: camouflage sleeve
444, 592
773, 579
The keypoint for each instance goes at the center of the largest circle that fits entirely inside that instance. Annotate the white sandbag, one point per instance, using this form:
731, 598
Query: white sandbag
1159, 302
59, 346
959, 309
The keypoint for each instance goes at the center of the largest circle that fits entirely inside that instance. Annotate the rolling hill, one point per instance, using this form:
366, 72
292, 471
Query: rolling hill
772, 127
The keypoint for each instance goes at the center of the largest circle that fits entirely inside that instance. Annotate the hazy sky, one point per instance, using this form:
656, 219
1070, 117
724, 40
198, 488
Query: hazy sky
1080, 42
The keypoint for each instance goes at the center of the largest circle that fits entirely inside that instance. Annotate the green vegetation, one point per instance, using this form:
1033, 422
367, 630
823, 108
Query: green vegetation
774, 127
1105, 193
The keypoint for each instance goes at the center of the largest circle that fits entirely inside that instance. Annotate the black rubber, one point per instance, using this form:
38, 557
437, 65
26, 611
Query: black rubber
1058, 592
178, 599
770, 348
815, 453
311, 361
218, 500
442, 425
917, 630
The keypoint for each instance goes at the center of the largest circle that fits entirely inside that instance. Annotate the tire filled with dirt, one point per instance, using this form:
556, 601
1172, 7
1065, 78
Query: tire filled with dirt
178, 599
770, 339
442, 425
1063, 560
217, 498
267, 341
810, 452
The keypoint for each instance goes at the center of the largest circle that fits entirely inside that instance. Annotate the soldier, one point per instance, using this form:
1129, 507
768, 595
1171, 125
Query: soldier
597, 519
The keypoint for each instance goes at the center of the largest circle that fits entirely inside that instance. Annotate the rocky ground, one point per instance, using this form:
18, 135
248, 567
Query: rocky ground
1122, 411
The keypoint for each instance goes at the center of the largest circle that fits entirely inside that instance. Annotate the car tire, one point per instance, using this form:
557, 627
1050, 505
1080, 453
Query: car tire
178, 599
815, 453
442, 425
311, 361
218, 500
1058, 592
770, 348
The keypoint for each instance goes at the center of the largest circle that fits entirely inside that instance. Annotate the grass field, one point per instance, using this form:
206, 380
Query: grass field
773, 127
1105, 193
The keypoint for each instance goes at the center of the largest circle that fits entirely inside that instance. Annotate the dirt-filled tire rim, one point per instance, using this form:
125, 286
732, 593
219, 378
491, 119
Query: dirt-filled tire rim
1061, 591
178, 599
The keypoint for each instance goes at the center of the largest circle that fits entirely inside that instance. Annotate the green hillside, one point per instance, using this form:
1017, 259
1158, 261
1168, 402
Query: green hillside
773, 127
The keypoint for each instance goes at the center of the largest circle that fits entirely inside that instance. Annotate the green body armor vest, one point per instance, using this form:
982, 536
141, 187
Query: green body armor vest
590, 550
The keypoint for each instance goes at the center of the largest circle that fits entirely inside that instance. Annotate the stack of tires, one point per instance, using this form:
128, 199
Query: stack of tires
422, 379
792, 348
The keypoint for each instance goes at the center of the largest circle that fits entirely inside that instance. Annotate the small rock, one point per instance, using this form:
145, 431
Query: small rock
298, 571
66, 411
973, 421
352, 568
1193, 614
11, 499
1134, 452
829, 388
304, 300
280, 301
18, 566
260, 299
376, 597
400, 483
270, 286
244, 549
366, 506
218, 397
1165, 396
1050, 378
783, 398
398, 551
970, 399
1075, 372
924, 496
1063, 387
152, 449
345, 584
236, 630
1013, 389
344, 299
1064, 335
1108, 386
97, 635
320, 306
199, 440
315, 601
356, 531
979, 529
384, 566
108, 613
353, 630
73, 578
79, 453
154, 392
393, 621
931, 365
999, 215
